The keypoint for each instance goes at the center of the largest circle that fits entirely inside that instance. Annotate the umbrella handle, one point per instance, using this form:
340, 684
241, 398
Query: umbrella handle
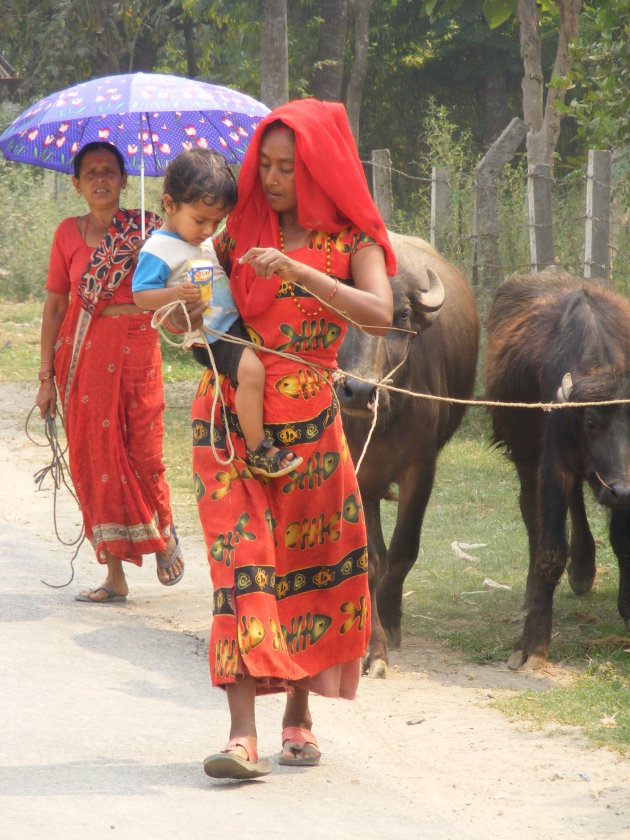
142, 179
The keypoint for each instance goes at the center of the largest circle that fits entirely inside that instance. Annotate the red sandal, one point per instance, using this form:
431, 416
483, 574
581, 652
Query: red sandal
298, 738
228, 765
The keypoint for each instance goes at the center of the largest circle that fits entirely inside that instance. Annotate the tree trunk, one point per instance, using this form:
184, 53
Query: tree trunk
354, 92
495, 111
189, 39
544, 125
328, 72
274, 53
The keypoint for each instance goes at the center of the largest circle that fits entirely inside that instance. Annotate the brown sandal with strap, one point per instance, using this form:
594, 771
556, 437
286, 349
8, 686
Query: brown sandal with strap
262, 464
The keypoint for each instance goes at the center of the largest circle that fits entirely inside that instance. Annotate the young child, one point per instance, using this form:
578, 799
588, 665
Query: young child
199, 191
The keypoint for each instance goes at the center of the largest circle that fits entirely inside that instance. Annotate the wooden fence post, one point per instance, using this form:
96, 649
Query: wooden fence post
440, 206
539, 214
597, 233
486, 268
382, 184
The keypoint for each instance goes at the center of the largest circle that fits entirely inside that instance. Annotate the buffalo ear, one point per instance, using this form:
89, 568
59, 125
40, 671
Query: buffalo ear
564, 391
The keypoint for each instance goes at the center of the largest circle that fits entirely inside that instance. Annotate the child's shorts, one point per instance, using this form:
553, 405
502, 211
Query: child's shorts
227, 354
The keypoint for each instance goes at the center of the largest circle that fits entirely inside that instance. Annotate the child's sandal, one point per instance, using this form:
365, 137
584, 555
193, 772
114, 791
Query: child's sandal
260, 463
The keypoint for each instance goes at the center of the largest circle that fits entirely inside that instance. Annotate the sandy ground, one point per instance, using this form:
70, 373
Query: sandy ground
107, 713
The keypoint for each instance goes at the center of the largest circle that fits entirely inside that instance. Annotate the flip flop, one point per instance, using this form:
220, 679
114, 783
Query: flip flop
298, 737
111, 596
166, 564
228, 765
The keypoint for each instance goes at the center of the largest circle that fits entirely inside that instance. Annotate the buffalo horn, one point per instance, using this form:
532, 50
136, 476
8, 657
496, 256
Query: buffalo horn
567, 386
433, 298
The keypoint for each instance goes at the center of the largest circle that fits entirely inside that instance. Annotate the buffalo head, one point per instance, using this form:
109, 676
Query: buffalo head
605, 432
366, 360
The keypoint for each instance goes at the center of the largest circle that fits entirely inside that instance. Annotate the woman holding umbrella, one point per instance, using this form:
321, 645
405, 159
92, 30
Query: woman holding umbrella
306, 248
105, 358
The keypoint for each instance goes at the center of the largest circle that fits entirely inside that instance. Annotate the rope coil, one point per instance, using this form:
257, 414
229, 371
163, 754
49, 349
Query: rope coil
59, 472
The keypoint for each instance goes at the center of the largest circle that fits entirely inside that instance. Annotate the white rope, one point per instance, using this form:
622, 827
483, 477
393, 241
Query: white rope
159, 316
369, 437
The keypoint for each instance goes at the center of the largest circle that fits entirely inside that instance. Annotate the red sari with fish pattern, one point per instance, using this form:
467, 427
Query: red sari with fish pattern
288, 556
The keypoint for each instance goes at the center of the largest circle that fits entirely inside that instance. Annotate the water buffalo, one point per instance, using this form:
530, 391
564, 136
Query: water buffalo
553, 337
434, 339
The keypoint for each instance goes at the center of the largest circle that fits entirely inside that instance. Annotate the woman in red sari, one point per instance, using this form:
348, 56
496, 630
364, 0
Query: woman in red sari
106, 360
288, 556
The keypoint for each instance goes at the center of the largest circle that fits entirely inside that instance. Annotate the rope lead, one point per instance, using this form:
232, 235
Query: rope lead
58, 470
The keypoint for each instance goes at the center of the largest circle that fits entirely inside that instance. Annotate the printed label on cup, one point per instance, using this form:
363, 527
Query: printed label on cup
200, 273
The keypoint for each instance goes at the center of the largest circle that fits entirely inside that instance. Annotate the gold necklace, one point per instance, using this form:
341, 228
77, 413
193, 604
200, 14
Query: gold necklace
292, 287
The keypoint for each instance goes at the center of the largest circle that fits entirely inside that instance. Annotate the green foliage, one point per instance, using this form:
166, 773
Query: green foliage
600, 83
497, 12
441, 144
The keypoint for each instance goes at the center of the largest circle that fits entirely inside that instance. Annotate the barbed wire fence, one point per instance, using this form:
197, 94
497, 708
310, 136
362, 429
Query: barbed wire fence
504, 219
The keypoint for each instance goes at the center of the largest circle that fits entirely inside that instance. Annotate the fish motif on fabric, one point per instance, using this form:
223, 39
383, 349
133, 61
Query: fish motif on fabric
205, 383
277, 637
199, 487
226, 657
289, 435
311, 337
318, 469
226, 478
271, 524
224, 546
306, 383
355, 612
306, 631
254, 337
311, 532
352, 509
251, 633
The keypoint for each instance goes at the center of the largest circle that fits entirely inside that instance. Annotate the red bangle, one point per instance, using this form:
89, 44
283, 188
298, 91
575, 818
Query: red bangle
171, 330
334, 291
45, 375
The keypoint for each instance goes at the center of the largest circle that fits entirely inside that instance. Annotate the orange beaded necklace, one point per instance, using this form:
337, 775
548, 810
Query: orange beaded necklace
292, 287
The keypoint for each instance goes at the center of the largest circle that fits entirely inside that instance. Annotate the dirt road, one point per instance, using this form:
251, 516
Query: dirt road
106, 714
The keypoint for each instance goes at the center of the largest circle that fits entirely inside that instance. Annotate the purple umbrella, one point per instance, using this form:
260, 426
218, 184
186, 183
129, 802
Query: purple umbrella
149, 117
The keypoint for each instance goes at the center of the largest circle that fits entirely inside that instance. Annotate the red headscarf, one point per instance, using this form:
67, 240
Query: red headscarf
331, 190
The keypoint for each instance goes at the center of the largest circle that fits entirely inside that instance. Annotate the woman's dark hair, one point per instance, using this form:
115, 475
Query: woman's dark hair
94, 147
200, 174
273, 125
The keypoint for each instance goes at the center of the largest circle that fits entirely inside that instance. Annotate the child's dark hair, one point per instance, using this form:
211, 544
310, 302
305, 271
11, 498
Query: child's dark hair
97, 145
200, 174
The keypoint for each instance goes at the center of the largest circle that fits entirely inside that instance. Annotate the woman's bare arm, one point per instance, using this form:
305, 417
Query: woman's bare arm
54, 312
368, 302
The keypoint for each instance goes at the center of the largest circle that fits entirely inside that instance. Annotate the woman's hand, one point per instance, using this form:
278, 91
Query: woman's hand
269, 261
46, 399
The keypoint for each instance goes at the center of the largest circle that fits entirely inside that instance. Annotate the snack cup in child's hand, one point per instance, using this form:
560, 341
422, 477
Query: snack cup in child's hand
200, 273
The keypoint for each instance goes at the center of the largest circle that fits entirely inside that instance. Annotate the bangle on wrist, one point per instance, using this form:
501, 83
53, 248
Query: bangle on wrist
172, 330
334, 290
45, 375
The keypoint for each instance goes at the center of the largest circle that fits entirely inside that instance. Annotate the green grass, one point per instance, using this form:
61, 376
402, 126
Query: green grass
474, 500
596, 702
